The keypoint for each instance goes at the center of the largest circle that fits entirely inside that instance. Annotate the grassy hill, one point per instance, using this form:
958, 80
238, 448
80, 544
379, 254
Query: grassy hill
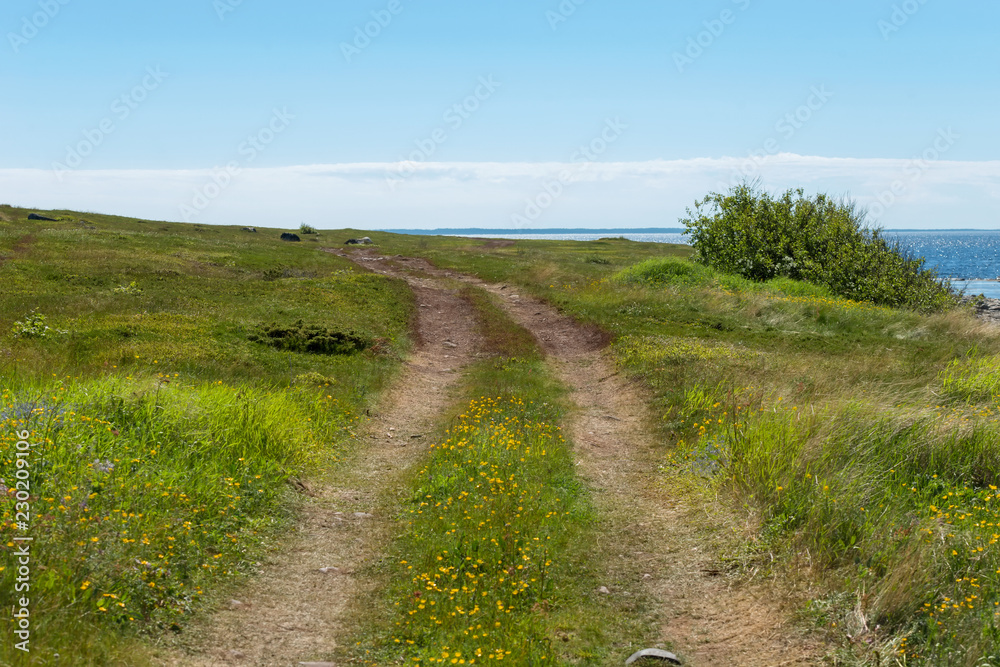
162, 365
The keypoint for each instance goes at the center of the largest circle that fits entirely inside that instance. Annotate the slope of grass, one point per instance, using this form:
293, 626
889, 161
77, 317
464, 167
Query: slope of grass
163, 435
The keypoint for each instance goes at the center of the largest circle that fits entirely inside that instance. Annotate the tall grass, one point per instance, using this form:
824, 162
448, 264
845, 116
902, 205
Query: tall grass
902, 509
973, 379
145, 493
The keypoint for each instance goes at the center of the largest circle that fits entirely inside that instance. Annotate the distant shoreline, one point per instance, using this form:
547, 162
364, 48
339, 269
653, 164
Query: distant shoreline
480, 231
448, 231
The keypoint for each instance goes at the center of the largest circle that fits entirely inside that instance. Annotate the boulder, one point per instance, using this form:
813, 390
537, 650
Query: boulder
290, 237
986, 308
35, 216
364, 240
654, 654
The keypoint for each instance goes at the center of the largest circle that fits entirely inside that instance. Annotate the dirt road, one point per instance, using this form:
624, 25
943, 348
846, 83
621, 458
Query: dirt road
665, 546
657, 544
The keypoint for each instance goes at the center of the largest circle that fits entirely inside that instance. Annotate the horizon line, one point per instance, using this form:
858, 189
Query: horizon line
633, 230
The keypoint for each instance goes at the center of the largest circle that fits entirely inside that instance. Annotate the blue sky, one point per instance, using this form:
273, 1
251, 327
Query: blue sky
161, 96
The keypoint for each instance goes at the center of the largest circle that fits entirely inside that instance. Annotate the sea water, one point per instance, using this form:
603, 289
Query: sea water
970, 259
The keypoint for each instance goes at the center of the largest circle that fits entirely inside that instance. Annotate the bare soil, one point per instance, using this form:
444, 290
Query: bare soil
658, 542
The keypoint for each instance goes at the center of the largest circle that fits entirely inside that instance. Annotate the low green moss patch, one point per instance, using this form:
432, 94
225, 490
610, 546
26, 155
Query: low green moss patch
311, 339
665, 271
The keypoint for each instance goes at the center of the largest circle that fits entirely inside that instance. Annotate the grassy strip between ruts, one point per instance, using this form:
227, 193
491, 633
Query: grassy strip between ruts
494, 559
503, 337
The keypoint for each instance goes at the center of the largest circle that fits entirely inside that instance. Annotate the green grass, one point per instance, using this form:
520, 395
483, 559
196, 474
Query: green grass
144, 494
903, 507
165, 431
486, 520
974, 379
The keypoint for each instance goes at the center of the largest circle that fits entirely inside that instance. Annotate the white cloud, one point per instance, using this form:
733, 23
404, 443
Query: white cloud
654, 193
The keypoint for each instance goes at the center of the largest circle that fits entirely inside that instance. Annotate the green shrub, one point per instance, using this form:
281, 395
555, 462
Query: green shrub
274, 273
818, 240
307, 229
